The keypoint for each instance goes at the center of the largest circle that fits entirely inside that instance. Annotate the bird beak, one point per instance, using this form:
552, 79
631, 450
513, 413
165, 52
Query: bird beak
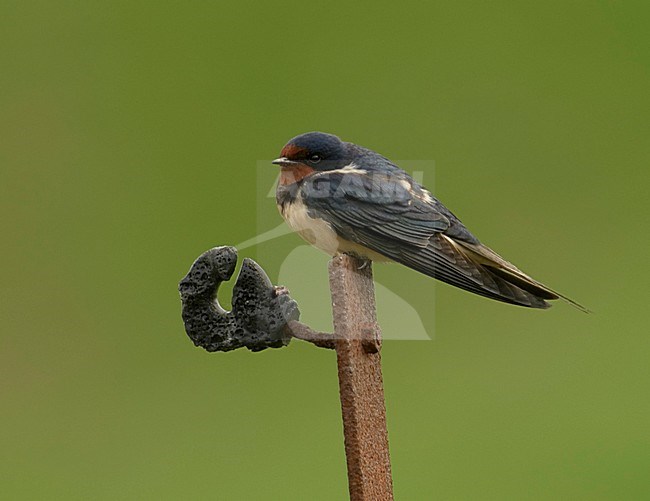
283, 161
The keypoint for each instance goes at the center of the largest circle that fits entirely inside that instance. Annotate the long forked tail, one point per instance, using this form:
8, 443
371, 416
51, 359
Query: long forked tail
478, 269
509, 272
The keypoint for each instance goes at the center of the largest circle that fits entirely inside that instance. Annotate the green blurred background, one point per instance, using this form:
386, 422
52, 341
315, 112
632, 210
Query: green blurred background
129, 139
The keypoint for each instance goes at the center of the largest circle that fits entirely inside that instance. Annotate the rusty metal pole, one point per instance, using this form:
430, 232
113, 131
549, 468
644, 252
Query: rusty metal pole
358, 343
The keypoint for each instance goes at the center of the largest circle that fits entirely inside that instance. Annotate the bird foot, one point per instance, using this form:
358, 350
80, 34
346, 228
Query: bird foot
364, 265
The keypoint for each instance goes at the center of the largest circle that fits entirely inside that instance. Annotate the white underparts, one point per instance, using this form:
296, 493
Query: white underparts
316, 231
320, 233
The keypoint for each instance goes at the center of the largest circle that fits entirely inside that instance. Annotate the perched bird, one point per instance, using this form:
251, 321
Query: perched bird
343, 198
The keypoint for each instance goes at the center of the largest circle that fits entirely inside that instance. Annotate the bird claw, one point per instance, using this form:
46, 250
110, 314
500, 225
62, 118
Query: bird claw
364, 265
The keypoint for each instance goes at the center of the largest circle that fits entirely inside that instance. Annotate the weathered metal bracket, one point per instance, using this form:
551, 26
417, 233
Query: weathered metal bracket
262, 316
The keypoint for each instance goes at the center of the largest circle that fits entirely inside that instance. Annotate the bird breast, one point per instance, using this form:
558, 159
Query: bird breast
316, 231
320, 233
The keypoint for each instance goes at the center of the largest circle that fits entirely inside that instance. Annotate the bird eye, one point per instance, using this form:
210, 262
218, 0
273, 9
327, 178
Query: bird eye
315, 158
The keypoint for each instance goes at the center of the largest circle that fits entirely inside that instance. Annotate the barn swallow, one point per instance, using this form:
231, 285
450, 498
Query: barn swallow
343, 198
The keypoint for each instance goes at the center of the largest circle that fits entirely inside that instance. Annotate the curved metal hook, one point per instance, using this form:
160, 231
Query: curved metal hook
260, 312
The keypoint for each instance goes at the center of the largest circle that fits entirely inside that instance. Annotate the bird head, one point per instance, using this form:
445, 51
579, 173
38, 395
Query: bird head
316, 151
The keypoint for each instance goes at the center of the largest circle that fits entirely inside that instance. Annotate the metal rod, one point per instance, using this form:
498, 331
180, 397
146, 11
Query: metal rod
301, 331
358, 343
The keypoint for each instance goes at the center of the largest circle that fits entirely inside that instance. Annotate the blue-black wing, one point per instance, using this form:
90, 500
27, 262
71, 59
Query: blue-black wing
395, 217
